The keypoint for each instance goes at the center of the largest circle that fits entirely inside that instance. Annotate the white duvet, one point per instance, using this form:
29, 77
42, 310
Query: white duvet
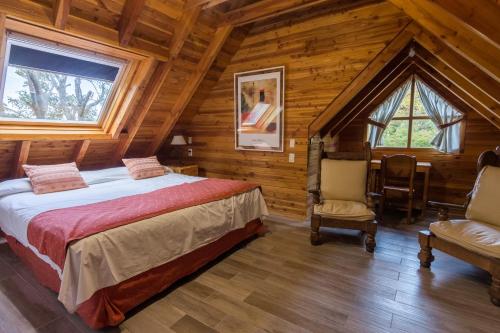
121, 253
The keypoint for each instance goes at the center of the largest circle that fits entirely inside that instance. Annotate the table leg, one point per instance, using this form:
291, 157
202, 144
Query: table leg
426, 192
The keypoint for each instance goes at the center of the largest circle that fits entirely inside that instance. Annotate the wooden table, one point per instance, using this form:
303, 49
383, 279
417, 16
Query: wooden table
422, 167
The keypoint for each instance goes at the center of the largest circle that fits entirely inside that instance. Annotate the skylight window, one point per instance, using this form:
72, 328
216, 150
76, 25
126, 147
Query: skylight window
47, 82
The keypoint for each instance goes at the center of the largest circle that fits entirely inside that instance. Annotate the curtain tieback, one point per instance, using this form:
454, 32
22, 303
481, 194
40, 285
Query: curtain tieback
376, 123
443, 126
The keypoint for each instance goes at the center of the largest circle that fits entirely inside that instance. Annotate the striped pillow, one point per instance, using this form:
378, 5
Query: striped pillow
140, 168
54, 178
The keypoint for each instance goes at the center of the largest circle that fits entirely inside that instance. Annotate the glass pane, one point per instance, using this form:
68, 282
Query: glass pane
418, 107
422, 133
404, 107
395, 134
41, 95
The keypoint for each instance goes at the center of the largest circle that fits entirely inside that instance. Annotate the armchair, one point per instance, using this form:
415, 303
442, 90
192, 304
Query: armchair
475, 239
341, 199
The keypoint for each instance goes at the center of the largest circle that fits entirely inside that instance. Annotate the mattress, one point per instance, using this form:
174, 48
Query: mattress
121, 253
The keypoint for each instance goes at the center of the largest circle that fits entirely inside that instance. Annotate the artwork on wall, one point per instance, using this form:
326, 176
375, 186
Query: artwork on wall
259, 109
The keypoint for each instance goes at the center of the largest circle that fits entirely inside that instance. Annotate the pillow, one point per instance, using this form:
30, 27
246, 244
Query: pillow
105, 175
54, 178
483, 206
343, 180
140, 168
15, 186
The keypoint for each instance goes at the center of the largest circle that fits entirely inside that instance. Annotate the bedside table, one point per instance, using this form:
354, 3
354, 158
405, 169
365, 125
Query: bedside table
190, 170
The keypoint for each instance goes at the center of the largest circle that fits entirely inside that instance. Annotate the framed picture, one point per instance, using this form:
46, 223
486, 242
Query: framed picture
259, 109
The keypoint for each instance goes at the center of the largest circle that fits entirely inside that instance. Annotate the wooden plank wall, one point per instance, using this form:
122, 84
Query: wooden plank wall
452, 175
322, 53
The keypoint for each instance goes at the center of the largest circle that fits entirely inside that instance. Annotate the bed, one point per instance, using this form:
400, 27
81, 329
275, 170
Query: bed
109, 247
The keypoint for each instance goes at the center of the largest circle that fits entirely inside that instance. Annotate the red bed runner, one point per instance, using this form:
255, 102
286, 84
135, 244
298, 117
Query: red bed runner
51, 232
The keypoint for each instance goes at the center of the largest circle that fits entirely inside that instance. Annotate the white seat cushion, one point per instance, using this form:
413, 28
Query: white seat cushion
344, 210
484, 205
343, 180
478, 237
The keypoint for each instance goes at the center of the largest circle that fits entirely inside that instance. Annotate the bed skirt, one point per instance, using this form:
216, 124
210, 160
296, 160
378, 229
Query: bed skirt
107, 307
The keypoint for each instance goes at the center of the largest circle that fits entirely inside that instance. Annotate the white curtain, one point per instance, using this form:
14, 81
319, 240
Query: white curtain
444, 116
384, 113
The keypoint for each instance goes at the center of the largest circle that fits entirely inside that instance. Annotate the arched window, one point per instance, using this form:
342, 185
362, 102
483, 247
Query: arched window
415, 116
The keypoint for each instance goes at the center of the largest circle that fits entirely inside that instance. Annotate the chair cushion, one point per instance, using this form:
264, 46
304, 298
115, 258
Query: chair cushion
343, 180
344, 210
478, 237
484, 205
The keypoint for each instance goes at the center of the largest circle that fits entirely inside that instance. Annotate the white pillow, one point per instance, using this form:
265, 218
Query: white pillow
105, 175
14, 186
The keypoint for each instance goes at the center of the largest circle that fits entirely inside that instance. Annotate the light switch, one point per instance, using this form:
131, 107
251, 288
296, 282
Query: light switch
291, 158
292, 143
190, 139
190, 152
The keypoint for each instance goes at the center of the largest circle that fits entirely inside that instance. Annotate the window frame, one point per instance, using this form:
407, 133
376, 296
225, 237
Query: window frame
410, 119
120, 103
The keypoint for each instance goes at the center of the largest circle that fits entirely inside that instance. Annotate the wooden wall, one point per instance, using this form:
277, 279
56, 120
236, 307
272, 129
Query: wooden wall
322, 53
452, 175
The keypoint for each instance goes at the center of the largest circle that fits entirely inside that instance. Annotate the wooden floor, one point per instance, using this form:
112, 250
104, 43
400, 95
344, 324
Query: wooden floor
281, 283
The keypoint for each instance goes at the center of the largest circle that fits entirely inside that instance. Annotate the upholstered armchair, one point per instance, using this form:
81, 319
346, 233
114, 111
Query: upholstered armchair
341, 199
475, 239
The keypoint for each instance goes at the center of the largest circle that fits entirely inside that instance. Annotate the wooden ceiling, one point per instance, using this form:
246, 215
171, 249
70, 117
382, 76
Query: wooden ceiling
185, 37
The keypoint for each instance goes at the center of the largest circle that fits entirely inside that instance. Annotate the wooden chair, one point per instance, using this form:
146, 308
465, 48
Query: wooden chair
341, 199
397, 174
474, 240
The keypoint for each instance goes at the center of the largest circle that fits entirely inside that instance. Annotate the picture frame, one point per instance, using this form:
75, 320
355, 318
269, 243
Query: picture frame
259, 109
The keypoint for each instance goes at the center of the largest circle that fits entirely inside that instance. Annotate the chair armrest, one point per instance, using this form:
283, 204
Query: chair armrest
317, 199
370, 198
444, 208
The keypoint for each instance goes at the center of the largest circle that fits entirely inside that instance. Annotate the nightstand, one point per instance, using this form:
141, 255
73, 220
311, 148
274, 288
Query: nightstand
190, 170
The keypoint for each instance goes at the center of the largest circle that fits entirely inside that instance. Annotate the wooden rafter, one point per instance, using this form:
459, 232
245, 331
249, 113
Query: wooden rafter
488, 103
218, 40
266, 9
20, 158
461, 65
364, 77
204, 4
455, 33
61, 12
184, 28
128, 20
429, 73
388, 83
80, 151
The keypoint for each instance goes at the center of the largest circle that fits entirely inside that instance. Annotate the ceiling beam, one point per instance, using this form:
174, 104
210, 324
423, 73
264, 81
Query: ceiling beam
488, 103
218, 40
204, 4
20, 158
80, 151
399, 42
388, 83
430, 73
266, 9
481, 15
184, 27
61, 12
455, 33
461, 65
128, 20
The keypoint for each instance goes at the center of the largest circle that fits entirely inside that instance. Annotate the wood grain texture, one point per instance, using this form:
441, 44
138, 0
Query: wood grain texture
129, 18
20, 158
281, 283
61, 12
322, 53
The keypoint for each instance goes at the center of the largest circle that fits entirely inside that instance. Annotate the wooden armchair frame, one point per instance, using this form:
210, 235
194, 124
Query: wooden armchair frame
370, 226
428, 240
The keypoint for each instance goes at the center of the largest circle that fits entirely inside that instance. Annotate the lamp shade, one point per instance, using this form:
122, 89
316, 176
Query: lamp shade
178, 140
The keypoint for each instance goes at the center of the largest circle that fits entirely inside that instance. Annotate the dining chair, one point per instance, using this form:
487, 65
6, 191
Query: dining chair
397, 174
